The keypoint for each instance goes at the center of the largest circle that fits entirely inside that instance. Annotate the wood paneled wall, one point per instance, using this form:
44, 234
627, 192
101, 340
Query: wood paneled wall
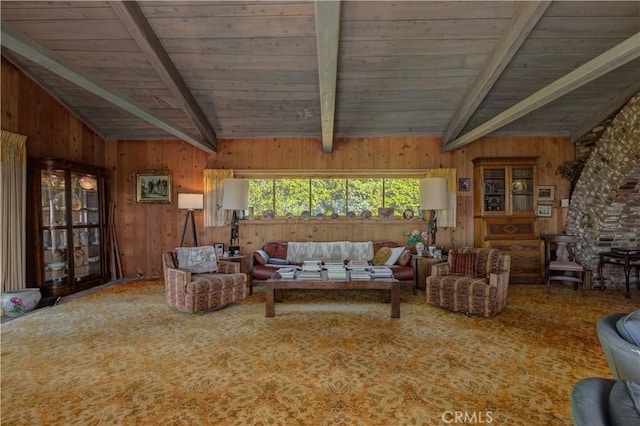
160, 226
51, 130
145, 231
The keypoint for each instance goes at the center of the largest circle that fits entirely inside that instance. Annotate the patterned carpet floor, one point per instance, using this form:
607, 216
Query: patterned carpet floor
120, 356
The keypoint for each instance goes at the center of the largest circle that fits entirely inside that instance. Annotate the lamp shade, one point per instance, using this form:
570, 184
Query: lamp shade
235, 194
190, 201
434, 194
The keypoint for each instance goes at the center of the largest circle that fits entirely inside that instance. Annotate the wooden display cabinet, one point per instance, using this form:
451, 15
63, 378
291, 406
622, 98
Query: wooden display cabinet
504, 213
66, 232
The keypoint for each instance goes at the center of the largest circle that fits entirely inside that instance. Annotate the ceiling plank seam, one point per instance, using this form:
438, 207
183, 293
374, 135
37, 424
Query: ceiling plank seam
327, 37
525, 19
138, 26
613, 58
22, 45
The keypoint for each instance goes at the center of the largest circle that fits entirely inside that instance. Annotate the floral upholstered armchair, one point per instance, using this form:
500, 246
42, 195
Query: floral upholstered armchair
473, 280
196, 281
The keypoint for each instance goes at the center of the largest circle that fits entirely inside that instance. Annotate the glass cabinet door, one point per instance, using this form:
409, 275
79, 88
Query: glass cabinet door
494, 190
86, 233
522, 189
54, 208
86, 203
86, 252
54, 230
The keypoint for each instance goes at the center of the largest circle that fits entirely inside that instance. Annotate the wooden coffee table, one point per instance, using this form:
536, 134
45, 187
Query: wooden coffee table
391, 287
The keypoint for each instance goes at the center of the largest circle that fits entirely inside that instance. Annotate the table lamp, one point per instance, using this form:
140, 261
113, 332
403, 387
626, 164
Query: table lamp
235, 196
434, 195
190, 202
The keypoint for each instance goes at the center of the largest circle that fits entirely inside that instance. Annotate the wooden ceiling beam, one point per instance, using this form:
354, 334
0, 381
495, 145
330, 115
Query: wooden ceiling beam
327, 37
136, 23
525, 19
22, 45
613, 58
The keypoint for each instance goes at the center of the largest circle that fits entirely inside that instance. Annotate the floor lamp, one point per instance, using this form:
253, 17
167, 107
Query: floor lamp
235, 196
434, 195
190, 202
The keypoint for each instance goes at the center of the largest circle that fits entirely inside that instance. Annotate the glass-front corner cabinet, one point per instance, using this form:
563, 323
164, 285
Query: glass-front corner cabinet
66, 236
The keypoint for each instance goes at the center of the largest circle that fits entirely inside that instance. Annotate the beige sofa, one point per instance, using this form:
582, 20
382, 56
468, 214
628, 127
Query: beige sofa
473, 281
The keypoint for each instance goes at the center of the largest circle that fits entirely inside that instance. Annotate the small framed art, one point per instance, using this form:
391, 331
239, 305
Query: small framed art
153, 186
464, 184
545, 210
546, 193
219, 248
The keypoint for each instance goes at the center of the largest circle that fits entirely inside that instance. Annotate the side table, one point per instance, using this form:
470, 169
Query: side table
236, 258
627, 258
422, 269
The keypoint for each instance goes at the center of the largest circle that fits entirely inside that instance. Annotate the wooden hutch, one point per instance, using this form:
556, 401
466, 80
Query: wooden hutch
504, 203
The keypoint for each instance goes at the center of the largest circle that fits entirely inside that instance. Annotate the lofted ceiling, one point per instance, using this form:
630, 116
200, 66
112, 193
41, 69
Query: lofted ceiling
204, 71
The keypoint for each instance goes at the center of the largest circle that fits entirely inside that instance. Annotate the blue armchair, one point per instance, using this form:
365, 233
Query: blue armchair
598, 401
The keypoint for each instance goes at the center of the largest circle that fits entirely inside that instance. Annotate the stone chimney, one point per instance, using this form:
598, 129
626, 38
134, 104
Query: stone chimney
605, 206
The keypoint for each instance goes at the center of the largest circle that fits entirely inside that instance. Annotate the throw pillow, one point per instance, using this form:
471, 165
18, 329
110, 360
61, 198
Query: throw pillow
381, 256
462, 263
261, 257
197, 260
395, 255
629, 327
405, 258
624, 403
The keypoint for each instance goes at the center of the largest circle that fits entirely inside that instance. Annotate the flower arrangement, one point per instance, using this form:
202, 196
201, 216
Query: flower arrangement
416, 236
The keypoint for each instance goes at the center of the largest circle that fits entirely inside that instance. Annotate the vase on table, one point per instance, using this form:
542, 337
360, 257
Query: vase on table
19, 302
419, 249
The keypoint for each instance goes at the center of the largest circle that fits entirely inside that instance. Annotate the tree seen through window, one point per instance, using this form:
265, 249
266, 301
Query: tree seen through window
327, 196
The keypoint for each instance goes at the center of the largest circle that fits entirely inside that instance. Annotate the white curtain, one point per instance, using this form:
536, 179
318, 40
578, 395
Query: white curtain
13, 193
446, 218
214, 215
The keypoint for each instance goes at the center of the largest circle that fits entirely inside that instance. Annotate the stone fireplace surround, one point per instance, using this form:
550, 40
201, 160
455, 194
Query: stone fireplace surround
605, 206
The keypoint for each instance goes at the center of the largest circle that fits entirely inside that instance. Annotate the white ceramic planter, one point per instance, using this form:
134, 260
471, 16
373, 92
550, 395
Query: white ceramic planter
19, 302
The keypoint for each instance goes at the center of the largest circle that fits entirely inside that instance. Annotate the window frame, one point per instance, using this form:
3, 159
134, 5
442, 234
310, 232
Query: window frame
333, 174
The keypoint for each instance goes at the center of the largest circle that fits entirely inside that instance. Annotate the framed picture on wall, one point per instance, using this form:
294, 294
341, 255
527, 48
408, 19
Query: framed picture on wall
153, 186
546, 193
545, 210
464, 184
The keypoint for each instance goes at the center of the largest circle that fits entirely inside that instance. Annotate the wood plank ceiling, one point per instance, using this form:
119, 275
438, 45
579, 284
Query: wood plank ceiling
203, 71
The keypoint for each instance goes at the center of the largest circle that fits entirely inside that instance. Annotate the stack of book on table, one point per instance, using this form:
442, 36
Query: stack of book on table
358, 264
358, 270
336, 271
287, 273
311, 270
381, 272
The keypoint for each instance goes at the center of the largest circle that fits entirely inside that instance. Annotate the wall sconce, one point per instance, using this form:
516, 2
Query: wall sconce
434, 195
235, 196
190, 202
